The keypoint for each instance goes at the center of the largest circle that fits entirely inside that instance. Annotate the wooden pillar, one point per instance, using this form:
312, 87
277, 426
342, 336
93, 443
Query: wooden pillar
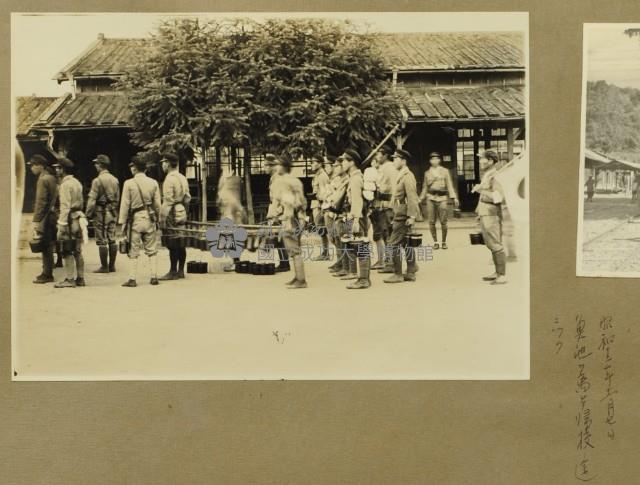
510, 143
476, 159
247, 184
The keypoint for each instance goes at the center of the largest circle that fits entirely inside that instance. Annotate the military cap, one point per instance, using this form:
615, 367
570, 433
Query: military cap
404, 154
317, 158
38, 159
139, 163
103, 160
435, 155
172, 158
64, 163
386, 149
329, 160
353, 155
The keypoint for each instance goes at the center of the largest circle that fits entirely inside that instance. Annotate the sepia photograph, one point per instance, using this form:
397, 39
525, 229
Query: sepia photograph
291, 195
609, 202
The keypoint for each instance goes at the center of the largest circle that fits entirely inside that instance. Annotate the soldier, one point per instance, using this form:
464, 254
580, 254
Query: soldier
273, 214
289, 197
388, 177
139, 210
405, 210
381, 212
489, 211
437, 189
45, 214
71, 224
173, 213
334, 213
102, 207
357, 220
591, 188
319, 184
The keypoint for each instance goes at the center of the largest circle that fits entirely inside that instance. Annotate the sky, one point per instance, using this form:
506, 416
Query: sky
41, 44
613, 56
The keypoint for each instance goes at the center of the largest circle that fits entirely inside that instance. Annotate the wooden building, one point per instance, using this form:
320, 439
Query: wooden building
612, 176
460, 92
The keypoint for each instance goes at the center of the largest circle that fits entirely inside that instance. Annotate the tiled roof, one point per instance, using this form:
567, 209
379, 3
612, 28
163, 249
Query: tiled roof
463, 103
403, 51
86, 111
28, 110
450, 51
103, 57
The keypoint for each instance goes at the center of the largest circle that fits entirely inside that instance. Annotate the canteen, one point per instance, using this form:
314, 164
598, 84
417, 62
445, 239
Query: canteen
476, 238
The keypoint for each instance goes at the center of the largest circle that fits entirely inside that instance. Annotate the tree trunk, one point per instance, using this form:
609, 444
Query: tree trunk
247, 184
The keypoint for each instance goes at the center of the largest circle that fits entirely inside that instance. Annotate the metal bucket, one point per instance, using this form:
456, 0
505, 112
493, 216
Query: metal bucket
476, 238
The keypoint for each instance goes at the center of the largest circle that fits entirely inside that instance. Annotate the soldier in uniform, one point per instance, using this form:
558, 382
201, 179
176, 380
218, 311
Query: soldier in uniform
405, 205
139, 211
289, 197
319, 185
357, 219
336, 219
45, 214
489, 212
381, 211
273, 214
72, 222
388, 177
102, 207
437, 189
173, 213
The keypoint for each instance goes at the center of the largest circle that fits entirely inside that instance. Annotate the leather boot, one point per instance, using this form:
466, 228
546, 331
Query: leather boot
351, 263
113, 252
104, 260
363, 280
397, 269
412, 264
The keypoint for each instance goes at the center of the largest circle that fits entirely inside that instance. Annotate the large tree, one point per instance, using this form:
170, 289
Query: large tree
281, 85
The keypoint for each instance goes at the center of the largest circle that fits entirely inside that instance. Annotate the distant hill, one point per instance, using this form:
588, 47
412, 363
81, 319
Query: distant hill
613, 120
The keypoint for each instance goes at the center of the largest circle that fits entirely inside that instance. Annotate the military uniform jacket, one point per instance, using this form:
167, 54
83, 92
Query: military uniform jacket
355, 200
491, 194
405, 200
46, 197
274, 209
104, 194
175, 196
336, 192
386, 183
437, 185
131, 200
71, 201
319, 185
289, 195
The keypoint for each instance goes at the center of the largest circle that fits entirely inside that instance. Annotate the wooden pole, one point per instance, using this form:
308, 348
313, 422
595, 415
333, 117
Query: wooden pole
203, 176
510, 143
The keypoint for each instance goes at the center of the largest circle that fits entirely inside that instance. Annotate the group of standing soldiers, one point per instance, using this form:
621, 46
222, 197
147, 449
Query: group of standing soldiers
137, 214
345, 202
347, 198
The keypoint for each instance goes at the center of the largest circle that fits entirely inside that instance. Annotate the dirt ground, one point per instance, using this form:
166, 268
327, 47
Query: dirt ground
447, 325
611, 244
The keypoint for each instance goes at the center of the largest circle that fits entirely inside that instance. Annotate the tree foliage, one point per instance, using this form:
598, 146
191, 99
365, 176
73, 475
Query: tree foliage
613, 120
280, 85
